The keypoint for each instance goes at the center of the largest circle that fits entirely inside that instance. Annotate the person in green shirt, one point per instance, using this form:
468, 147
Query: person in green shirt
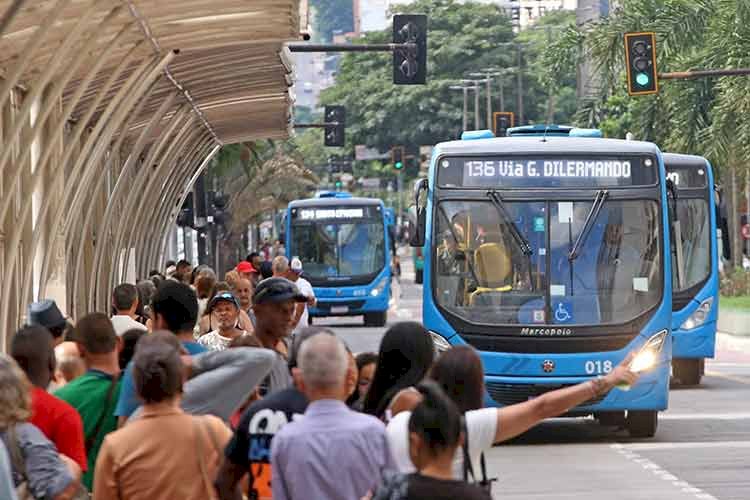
95, 393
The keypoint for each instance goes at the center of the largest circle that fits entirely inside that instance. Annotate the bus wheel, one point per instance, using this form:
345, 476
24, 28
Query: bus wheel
376, 318
642, 423
687, 371
419, 276
611, 418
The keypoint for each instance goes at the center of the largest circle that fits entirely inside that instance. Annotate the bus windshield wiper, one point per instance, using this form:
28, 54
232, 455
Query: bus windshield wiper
599, 199
522, 243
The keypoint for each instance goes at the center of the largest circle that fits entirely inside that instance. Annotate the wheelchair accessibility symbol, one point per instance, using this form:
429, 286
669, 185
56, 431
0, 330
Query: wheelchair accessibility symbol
562, 315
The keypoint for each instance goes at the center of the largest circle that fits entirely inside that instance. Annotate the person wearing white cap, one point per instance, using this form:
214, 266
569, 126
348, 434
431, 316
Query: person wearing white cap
295, 275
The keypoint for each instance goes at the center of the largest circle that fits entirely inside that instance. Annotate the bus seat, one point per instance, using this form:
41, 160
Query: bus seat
493, 268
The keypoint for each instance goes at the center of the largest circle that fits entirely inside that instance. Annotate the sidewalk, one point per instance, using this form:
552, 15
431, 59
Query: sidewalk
734, 321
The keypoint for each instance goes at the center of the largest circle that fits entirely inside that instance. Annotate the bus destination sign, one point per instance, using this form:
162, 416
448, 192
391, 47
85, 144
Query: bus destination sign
520, 172
334, 213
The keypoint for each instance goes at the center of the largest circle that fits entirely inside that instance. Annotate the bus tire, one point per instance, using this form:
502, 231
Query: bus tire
419, 276
687, 371
376, 318
642, 423
611, 418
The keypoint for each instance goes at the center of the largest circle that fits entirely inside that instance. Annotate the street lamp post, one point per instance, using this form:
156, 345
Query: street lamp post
487, 74
465, 90
475, 88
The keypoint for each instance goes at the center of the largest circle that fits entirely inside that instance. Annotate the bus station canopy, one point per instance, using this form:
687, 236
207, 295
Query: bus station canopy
113, 107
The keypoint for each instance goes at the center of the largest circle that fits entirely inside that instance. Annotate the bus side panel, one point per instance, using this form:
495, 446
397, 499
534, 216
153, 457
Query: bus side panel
701, 342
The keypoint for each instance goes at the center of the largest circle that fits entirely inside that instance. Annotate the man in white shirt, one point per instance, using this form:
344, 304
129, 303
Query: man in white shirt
125, 303
295, 275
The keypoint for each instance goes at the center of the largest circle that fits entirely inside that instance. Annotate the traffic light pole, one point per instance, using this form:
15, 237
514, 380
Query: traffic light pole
344, 47
686, 75
316, 125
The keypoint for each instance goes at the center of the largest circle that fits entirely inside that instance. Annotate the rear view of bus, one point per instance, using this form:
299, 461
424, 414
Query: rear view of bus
547, 254
695, 295
343, 243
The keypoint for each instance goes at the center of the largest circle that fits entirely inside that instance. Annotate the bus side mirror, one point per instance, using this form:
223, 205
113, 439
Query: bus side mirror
417, 239
722, 223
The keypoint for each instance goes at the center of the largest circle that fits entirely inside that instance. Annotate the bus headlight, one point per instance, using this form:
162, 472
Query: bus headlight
699, 316
439, 343
648, 356
378, 289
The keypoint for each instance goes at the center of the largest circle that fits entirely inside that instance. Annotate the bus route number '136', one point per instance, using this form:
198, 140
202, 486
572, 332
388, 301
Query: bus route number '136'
598, 367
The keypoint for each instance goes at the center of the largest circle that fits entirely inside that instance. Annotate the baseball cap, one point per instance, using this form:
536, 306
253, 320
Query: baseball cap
274, 290
245, 267
224, 297
46, 313
296, 265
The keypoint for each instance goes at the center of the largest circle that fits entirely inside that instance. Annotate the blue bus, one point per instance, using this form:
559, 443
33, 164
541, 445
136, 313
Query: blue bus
344, 246
695, 269
547, 254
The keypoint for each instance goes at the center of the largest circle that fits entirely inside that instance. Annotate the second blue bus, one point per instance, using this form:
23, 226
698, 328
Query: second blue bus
344, 245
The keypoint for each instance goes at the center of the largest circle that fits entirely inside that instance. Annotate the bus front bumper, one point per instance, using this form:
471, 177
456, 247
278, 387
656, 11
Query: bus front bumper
350, 306
696, 343
649, 393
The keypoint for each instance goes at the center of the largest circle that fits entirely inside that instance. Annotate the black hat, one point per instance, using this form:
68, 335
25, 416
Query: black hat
224, 297
274, 290
46, 313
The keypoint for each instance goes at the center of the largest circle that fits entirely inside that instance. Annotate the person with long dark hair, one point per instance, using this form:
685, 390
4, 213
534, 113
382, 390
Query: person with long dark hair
406, 353
366, 363
435, 434
460, 374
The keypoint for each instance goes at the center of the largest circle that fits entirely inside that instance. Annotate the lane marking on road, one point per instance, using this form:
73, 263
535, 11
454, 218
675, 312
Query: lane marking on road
633, 447
626, 450
733, 378
704, 416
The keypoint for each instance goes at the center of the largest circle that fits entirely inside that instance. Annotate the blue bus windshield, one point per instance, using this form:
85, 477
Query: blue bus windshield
330, 249
483, 276
692, 224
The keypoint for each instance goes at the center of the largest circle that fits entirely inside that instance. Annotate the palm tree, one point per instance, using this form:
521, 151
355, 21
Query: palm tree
260, 177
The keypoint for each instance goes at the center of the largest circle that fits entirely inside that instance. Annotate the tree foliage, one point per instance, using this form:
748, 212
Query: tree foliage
331, 16
462, 38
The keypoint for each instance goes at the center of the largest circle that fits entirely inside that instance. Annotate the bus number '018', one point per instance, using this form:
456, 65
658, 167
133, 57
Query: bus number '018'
597, 367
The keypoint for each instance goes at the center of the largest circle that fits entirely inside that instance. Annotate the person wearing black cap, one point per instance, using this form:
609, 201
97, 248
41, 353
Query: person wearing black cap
274, 304
227, 310
46, 313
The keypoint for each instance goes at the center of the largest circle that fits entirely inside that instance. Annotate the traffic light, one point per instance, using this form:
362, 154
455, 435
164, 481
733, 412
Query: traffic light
334, 133
186, 216
640, 62
397, 157
410, 64
339, 185
501, 122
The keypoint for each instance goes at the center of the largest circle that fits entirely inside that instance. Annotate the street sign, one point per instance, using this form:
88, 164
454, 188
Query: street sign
370, 183
362, 152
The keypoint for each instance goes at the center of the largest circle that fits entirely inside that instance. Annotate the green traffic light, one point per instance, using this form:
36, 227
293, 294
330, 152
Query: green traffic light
642, 79
399, 165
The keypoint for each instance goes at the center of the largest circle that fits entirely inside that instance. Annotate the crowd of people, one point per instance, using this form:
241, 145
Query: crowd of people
195, 388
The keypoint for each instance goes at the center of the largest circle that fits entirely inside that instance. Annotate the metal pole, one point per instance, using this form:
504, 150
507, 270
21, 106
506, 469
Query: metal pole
520, 85
476, 105
502, 93
489, 101
684, 75
343, 47
466, 108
